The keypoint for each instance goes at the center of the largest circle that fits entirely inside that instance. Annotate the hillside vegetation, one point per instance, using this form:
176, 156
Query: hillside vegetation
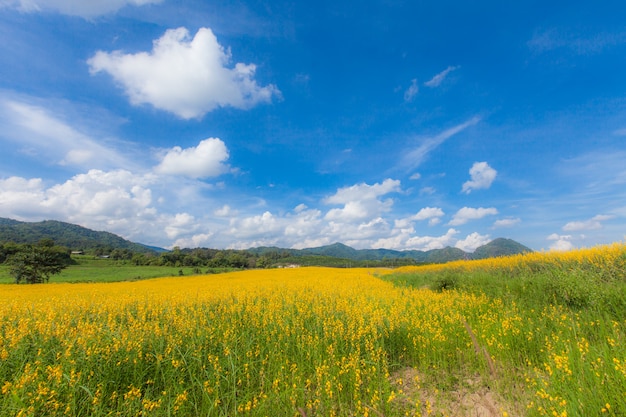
541, 334
64, 234
77, 238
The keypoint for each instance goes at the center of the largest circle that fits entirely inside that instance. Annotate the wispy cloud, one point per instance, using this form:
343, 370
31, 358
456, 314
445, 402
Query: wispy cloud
594, 223
439, 78
82, 8
414, 158
552, 39
508, 222
412, 91
47, 135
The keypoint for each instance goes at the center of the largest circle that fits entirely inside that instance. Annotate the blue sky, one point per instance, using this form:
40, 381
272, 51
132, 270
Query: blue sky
234, 124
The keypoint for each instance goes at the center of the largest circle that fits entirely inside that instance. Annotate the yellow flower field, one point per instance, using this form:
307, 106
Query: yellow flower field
294, 342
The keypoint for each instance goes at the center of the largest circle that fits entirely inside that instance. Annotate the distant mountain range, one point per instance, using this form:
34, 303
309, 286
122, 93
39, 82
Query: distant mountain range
80, 238
497, 247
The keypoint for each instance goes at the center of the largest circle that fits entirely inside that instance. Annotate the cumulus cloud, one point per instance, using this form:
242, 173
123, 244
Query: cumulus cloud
561, 242
468, 213
411, 92
432, 242
303, 223
438, 79
413, 158
258, 226
472, 242
182, 223
225, 211
432, 214
482, 177
361, 201
116, 201
82, 8
195, 241
185, 76
21, 197
205, 160
592, 224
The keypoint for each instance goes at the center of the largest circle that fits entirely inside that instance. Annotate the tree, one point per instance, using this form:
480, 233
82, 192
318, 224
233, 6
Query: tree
35, 264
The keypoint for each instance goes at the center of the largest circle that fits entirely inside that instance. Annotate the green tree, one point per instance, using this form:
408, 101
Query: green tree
35, 264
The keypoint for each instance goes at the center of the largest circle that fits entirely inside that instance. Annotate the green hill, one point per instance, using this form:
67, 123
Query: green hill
80, 238
65, 234
500, 247
497, 247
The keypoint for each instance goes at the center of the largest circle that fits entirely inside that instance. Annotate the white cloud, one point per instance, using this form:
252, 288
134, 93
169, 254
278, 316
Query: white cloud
182, 223
361, 201
472, 242
438, 79
482, 177
20, 197
468, 213
225, 211
426, 243
82, 8
412, 91
415, 176
592, 224
311, 243
205, 160
561, 242
413, 158
117, 201
508, 222
432, 214
188, 77
257, 227
195, 241
41, 133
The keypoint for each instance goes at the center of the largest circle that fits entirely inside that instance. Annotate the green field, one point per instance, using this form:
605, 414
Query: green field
92, 269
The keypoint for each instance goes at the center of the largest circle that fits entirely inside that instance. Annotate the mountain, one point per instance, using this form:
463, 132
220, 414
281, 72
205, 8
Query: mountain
80, 238
500, 247
497, 247
66, 234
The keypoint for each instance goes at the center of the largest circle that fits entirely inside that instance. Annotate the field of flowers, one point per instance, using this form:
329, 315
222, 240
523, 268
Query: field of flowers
309, 342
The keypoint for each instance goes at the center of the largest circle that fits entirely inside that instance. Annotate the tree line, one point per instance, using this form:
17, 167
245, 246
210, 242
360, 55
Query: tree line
35, 263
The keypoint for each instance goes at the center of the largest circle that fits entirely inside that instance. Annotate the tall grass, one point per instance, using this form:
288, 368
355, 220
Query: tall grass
560, 322
310, 341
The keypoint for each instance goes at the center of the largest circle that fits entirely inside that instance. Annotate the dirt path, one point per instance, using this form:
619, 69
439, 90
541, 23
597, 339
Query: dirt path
469, 398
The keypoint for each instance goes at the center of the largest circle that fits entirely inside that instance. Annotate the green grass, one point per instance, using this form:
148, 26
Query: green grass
90, 269
557, 334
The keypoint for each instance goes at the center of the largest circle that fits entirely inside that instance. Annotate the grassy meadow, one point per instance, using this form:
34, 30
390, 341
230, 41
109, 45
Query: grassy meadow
92, 269
541, 334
